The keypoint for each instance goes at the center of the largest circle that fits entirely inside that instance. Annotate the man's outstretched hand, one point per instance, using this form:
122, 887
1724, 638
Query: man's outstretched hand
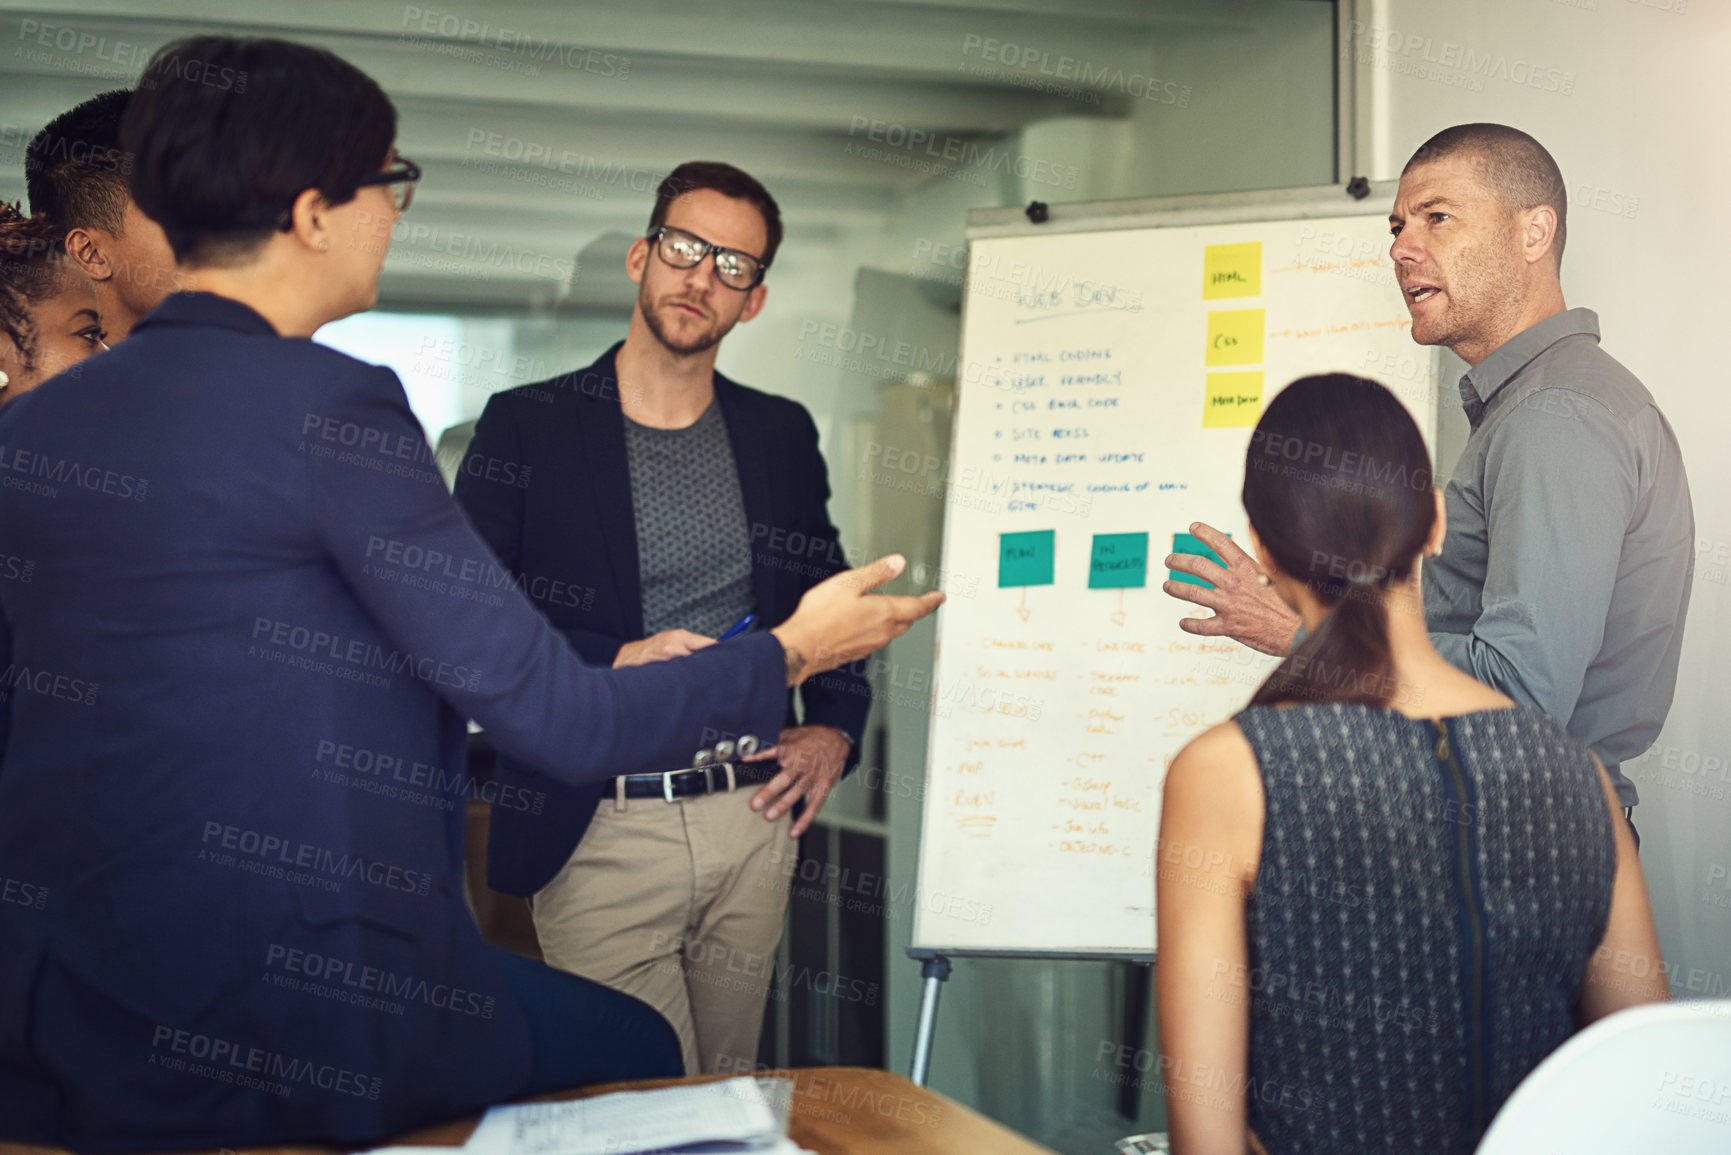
840, 620
1245, 610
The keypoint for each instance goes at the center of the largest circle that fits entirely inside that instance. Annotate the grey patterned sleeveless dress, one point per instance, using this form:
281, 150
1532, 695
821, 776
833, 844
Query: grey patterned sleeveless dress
1425, 904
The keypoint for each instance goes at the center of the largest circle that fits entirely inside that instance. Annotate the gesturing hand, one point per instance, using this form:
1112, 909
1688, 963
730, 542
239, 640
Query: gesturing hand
812, 758
1245, 610
839, 619
660, 647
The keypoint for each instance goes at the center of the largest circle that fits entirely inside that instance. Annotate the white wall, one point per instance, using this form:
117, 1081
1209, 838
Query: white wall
1630, 97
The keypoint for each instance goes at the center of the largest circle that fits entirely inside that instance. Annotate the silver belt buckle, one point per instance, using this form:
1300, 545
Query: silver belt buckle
667, 784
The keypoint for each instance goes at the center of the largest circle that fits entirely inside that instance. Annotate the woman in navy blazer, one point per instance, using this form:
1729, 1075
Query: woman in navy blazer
231, 803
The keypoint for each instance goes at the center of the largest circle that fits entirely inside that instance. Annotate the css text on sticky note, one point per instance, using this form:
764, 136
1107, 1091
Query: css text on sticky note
1190, 543
1232, 399
1118, 561
1235, 337
1027, 559
1232, 271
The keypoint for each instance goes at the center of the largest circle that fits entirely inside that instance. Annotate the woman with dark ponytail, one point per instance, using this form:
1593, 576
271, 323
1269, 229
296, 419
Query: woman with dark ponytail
1385, 891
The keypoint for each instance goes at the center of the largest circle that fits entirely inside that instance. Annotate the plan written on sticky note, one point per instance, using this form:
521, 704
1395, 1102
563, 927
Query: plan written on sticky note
1190, 543
1232, 271
1028, 558
1118, 561
1235, 336
1232, 400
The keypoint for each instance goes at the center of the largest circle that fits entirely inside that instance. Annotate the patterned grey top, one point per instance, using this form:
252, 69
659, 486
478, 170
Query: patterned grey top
1422, 917
693, 546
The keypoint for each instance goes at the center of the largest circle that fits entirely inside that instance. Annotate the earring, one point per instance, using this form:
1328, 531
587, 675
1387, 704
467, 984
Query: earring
324, 246
1262, 579
4, 379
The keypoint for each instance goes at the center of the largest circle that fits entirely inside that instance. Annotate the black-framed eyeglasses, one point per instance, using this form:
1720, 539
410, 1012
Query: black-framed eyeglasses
400, 178
683, 250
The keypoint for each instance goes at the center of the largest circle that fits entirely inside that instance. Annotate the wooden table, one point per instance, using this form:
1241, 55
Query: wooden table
836, 1111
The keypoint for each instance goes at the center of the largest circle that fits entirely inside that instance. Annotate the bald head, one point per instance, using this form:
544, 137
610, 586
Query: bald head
1514, 167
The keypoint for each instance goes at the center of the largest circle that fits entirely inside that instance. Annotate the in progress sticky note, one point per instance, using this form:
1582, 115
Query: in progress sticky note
1233, 399
1189, 543
1232, 271
1026, 559
1235, 337
1119, 561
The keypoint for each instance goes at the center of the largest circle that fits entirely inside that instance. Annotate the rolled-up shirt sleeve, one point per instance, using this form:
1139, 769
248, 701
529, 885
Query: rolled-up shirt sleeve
1560, 484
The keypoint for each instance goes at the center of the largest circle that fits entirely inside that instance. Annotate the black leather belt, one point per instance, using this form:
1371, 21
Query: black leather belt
691, 783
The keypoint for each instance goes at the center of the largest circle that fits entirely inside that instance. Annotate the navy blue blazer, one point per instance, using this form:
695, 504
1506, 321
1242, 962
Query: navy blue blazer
548, 485
231, 803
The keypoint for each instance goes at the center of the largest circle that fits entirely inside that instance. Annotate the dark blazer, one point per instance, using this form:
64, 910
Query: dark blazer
231, 804
548, 486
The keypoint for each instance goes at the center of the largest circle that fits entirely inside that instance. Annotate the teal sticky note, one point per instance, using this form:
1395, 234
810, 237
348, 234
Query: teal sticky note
1189, 543
1027, 559
1119, 561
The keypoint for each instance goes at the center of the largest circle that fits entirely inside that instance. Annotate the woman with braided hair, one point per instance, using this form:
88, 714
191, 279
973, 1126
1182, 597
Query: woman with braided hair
1385, 890
48, 315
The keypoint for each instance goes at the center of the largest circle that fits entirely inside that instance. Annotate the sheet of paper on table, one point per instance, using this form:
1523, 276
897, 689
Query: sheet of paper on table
731, 1115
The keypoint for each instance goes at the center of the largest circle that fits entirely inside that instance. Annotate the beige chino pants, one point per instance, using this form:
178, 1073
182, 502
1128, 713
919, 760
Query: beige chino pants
679, 904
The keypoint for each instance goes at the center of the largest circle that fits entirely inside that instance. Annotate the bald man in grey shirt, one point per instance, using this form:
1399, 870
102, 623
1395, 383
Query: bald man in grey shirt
1564, 576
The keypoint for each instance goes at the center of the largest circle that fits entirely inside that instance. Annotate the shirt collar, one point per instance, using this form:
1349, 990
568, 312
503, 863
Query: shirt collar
1484, 379
206, 309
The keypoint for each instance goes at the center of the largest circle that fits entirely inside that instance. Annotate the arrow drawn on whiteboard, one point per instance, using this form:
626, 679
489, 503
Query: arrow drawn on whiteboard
1118, 614
1023, 609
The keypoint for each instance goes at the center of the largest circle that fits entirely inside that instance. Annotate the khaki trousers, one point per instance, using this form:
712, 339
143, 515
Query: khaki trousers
679, 904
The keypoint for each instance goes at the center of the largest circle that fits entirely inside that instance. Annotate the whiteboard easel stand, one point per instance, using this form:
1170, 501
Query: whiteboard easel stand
1355, 197
935, 971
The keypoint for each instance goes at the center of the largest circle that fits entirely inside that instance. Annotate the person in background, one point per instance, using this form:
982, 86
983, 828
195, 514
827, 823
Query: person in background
50, 317
48, 322
1564, 581
75, 173
1386, 890
665, 493
235, 783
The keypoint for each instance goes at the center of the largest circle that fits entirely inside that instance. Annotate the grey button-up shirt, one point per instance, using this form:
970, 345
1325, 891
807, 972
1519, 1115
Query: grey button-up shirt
1564, 578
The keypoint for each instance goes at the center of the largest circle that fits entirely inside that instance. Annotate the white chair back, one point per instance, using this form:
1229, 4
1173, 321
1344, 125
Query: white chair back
1653, 1079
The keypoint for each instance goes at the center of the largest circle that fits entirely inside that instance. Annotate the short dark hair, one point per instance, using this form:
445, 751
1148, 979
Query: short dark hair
32, 262
74, 169
1516, 168
726, 180
225, 132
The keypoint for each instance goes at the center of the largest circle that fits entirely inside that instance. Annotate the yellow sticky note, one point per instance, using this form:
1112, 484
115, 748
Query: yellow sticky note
1235, 337
1232, 271
1232, 399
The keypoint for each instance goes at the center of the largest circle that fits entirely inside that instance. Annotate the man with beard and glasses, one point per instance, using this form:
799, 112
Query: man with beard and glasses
649, 505
1564, 579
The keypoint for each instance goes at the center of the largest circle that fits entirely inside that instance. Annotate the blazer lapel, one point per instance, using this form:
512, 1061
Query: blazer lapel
755, 492
601, 434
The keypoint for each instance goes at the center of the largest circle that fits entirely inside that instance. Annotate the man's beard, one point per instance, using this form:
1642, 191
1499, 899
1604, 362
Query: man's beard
701, 344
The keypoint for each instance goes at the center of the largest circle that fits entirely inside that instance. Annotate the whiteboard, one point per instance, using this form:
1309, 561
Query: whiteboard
1101, 396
